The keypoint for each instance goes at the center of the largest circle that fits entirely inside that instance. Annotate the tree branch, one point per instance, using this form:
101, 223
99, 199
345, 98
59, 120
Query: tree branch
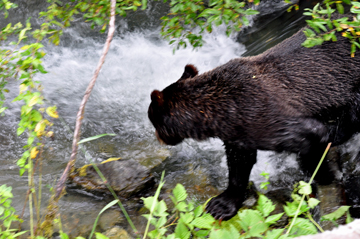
80, 115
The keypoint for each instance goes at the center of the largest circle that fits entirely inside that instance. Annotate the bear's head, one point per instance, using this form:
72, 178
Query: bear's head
162, 107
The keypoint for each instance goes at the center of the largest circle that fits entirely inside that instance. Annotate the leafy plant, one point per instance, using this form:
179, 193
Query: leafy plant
189, 19
323, 26
263, 185
189, 220
7, 214
185, 24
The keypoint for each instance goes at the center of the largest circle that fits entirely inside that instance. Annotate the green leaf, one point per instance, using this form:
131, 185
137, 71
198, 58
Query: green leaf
41, 69
348, 218
291, 208
156, 233
265, 206
274, 234
144, 4
100, 236
161, 222
330, 24
303, 227
20, 130
213, 2
203, 223
149, 201
186, 217
337, 214
353, 48
209, 12
171, 236
313, 202
310, 42
284, 237
201, 233
22, 34
328, 37
179, 192
250, 11
356, 4
7, 203
2, 209
181, 231
321, 26
63, 235
274, 218
160, 209
230, 233
3, 109
304, 188
181, 206
94, 137
252, 222
340, 8
36, 116
22, 171
198, 211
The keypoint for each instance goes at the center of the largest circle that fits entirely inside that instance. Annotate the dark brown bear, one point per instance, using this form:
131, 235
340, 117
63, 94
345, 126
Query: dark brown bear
290, 98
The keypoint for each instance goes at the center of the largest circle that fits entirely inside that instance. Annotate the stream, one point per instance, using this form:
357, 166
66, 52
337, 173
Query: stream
138, 62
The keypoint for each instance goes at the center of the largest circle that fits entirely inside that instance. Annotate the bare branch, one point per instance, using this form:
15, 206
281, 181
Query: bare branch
80, 115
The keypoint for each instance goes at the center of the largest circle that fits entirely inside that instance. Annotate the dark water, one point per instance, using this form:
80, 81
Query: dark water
138, 62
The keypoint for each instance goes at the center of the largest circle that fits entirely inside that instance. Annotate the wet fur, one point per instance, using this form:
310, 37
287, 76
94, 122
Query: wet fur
290, 98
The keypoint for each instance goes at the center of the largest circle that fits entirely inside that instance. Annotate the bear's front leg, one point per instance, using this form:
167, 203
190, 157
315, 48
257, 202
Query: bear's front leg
240, 162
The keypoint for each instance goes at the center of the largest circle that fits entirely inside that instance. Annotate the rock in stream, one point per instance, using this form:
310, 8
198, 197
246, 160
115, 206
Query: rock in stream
126, 177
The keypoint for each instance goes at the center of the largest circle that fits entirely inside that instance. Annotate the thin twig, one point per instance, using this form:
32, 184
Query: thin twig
80, 115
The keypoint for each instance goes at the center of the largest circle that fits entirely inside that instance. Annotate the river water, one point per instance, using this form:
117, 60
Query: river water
138, 62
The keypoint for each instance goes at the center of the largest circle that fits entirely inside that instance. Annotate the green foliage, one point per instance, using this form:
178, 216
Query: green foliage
23, 63
185, 24
5, 5
264, 185
338, 214
323, 27
189, 19
7, 214
22, 60
190, 221
60, 14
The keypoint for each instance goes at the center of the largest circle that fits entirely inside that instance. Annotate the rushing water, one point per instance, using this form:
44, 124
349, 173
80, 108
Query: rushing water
138, 62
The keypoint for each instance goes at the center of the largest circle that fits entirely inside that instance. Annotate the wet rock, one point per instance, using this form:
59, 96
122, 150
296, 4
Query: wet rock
271, 8
126, 177
155, 158
331, 198
109, 219
117, 233
264, 32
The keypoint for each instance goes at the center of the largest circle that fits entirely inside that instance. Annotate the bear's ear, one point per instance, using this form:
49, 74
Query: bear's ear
190, 71
157, 96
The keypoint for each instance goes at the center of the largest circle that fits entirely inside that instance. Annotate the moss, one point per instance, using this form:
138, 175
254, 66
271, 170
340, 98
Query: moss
47, 227
82, 171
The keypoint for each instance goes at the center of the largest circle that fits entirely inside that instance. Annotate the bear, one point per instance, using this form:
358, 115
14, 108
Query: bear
287, 99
